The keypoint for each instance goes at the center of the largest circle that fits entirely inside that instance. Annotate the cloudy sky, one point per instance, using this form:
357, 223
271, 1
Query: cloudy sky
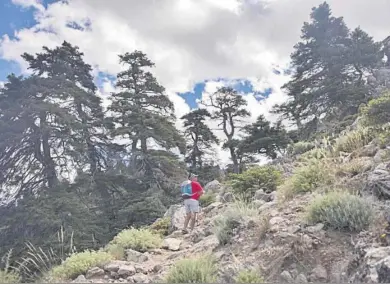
197, 45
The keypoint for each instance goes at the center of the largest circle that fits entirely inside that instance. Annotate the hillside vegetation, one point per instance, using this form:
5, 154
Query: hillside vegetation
80, 206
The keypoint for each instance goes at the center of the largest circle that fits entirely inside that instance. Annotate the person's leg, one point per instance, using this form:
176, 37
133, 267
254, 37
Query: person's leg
195, 210
188, 215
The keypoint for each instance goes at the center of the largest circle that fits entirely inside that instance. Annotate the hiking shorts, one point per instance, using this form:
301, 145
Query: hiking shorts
191, 205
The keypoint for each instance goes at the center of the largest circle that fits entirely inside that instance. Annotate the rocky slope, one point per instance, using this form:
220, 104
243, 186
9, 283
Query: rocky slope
273, 238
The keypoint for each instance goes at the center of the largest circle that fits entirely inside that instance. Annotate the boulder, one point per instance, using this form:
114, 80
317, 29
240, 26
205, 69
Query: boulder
261, 195
135, 256
286, 277
80, 279
213, 187
177, 214
378, 181
374, 266
319, 273
94, 272
171, 244
126, 271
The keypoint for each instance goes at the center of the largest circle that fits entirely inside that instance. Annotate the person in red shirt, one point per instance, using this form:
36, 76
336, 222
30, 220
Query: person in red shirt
191, 204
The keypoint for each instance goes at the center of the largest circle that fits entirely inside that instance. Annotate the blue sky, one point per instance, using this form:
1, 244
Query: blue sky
14, 17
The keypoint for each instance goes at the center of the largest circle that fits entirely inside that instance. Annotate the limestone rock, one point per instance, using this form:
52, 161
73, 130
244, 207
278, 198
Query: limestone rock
286, 276
126, 270
135, 256
316, 228
301, 279
80, 279
94, 272
319, 273
213, 187
140, 278
378, 181
171, 244
177, 214
261, 195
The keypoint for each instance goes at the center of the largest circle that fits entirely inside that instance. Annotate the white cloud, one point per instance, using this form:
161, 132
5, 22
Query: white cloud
189, 40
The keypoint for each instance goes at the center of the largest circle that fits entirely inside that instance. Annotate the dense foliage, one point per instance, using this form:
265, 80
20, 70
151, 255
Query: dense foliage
68, 163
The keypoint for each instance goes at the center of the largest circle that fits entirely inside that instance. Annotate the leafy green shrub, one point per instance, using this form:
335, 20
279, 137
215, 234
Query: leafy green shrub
307, 178
80, 263
137, 239
249, 276
117, 251
354, 140
377, 111
161, 226
225, 224
341, 210
196, 270
300, 148
206, 199
9, 277
246, 184
316, 154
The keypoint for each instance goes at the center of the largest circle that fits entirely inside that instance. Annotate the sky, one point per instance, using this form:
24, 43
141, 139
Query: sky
197, 45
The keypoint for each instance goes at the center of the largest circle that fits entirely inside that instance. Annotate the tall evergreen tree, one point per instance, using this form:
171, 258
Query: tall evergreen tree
229, 109
200, 137
142, 113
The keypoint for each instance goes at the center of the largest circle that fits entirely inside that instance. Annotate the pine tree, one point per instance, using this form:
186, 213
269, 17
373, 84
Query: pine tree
200, 138
229, 109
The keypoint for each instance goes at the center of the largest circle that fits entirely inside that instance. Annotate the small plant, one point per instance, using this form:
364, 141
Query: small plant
377, 111
307, 178
206, 199
80, 263
351, 168
225, 225
300, 148
354, 140
249, 276
197, 270
137, 239
7, 275
341, 211
161, 226
247, 183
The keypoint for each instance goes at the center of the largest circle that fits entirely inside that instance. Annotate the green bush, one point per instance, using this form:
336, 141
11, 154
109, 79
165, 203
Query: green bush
342, 211
137, 239
377, 111
9, 277
161, 226
246, 184
206, 199
196, 270
80, 263
225, 224
300, 148
354, 140
249, 276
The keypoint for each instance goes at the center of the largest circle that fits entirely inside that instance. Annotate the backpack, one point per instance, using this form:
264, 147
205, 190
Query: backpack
186, 190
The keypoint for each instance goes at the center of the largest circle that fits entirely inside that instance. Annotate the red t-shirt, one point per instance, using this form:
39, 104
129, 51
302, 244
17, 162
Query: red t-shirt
196, 190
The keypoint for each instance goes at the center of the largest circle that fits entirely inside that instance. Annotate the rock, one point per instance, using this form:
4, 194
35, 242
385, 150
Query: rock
276, 220
315, 229
266, 206
209, 243
140, 269
378, 181
369, 150
258, 203
157, 268
373, 266
383, 270
140, 278
94, 272
380, 155
301, 279
319, 273
80, 279
286, 276
126, 270
227, 197
171, 244
213, 187
212, 206
177, 214
135, 256
261, 195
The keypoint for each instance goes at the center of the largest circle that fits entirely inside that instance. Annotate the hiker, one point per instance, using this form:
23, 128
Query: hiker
191, 191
